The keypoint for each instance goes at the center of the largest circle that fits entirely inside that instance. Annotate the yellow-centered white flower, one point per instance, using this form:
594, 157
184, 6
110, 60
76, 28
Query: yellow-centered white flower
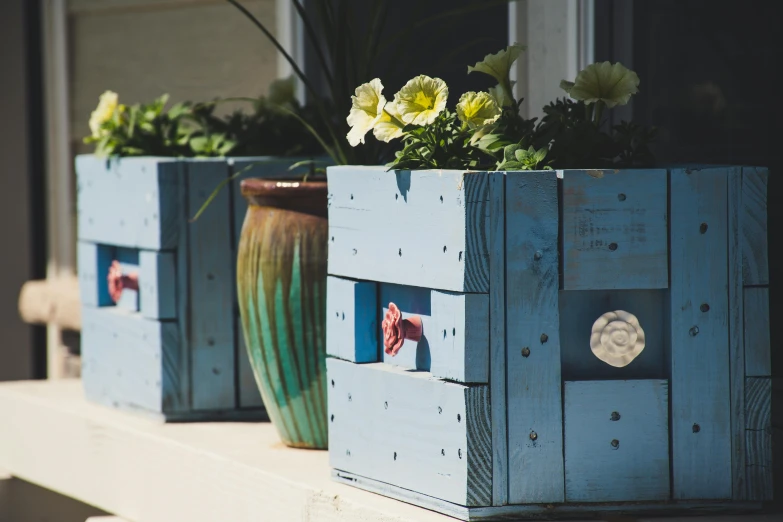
421, 100
477, 109
366, 110
610, 83
107, 104
390, 125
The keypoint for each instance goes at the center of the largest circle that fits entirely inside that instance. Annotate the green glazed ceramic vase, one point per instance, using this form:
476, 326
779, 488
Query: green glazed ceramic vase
281, 283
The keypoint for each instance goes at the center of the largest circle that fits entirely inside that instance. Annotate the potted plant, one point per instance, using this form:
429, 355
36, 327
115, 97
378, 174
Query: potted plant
532, 318
157, 289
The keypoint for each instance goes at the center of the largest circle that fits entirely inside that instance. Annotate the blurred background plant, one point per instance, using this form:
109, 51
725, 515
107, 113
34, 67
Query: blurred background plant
272, 128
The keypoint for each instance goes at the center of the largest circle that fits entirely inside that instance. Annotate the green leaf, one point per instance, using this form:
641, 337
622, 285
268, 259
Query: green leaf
199, 143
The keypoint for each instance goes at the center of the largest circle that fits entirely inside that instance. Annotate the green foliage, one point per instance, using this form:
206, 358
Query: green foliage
440, 145
273, 128
142, 130
515, 157
576, 141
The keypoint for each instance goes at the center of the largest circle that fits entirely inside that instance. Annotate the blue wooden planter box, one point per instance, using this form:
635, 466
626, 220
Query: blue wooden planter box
502, 409
174, 349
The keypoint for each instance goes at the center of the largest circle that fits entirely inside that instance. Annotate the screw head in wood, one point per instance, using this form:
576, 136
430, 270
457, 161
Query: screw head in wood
538, 255
696, 428
704, 307
703, 228
612, 246
694, 331
533, 435
525, 352
615, 443
544, 338
615, 416
621, 197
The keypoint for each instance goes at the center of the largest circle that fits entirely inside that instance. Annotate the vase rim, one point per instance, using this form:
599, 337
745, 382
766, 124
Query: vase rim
281, 188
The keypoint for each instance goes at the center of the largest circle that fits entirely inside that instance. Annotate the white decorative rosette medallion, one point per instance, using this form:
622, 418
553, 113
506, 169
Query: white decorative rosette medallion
617, 338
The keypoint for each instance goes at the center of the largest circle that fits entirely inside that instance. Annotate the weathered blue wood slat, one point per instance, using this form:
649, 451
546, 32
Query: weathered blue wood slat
758, 396
128, 361
535, 439
497, 336
615, 229
755, 262
93, 267
758, 361
700, 398
578, 312
411, 430
352, 327
736, 344
211, 289
616, 440
182, 271
157, 285
130, 202
418, 228
455, 337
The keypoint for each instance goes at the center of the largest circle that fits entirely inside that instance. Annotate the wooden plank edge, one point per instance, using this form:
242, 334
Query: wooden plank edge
497, 338
543, 511
736, 334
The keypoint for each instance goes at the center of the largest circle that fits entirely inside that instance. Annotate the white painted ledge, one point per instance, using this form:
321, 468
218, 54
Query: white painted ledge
149, 472
143, 471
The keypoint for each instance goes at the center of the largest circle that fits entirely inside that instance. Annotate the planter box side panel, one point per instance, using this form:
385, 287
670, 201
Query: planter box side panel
129, 202
533, 362
352, 320
416, 228
211, 289
700, 376
130, 362
755, 252
616, 440
411, 430
615, 229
